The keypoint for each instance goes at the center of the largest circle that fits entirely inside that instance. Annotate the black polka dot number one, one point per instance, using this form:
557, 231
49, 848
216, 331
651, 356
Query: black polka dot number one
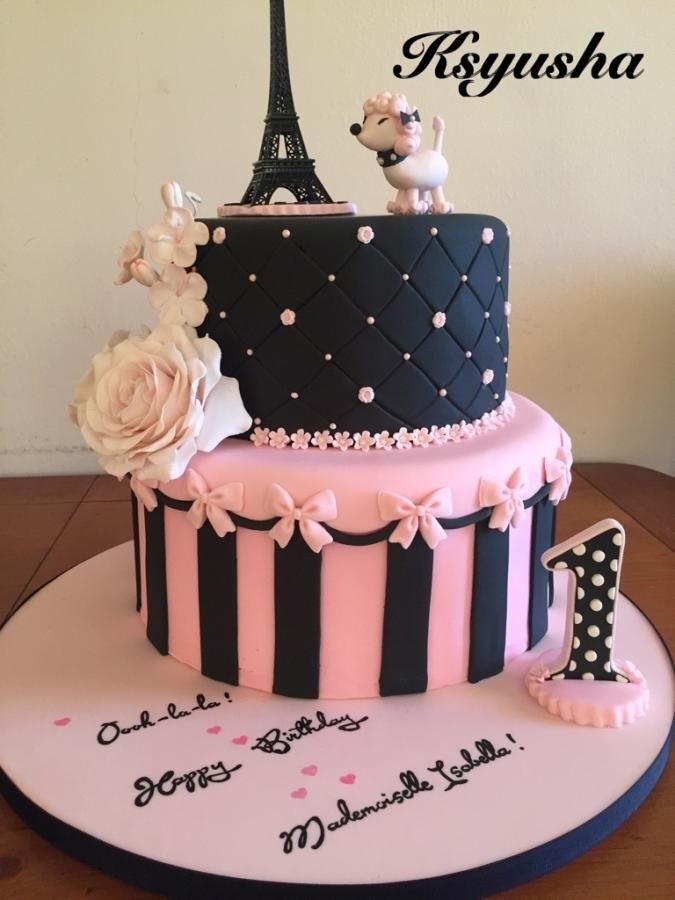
593, 558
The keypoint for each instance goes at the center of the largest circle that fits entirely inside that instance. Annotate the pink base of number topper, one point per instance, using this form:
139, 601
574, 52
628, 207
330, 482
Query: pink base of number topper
598, 703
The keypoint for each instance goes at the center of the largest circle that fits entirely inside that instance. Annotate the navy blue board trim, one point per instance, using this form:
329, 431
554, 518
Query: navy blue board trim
405, 633
217, 568
137, 548
297, 619
540, 588
489, 601
155, 576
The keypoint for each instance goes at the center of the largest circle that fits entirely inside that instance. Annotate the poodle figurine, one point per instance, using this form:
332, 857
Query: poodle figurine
392, 128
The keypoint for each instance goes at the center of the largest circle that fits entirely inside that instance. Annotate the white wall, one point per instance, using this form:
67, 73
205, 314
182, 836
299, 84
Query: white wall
101, 101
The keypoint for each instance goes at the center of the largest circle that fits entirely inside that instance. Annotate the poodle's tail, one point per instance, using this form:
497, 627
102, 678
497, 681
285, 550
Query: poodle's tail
439, 127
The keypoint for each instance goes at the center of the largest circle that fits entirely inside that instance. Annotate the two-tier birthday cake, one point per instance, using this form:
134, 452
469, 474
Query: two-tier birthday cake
337, 503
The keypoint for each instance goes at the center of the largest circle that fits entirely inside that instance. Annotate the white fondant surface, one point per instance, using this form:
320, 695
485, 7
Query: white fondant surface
75, 656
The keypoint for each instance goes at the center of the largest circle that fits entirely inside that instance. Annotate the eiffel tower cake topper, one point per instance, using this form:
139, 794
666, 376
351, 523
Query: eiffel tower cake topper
293, 171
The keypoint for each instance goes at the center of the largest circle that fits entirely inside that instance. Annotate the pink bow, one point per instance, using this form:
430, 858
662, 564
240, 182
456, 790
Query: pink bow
322, 507
213, 505
422, 516
558, 471
145, 491
506, 498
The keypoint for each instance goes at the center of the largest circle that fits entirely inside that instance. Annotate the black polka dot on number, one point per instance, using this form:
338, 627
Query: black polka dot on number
595, 564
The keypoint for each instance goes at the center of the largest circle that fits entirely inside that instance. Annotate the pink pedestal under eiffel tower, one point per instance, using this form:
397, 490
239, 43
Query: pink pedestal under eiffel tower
295, 170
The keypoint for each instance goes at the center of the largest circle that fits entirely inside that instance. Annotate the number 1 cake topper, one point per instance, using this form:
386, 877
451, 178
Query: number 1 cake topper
586, 684
295, 171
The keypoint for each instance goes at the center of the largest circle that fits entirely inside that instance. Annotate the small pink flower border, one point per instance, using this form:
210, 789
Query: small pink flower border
403, 439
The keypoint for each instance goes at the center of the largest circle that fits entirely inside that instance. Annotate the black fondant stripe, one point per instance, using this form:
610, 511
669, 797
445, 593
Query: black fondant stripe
489, 602
554, 518
355, 540
137, 548
297, 619
155, 576
537, 620
406, 618
217, 566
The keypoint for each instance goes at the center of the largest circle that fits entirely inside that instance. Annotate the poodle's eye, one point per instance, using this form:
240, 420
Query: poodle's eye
383, 120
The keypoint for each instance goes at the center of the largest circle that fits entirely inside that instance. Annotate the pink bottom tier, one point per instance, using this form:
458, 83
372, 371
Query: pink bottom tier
327, 586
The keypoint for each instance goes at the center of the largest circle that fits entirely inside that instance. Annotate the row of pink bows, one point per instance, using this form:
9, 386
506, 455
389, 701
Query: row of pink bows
505, 498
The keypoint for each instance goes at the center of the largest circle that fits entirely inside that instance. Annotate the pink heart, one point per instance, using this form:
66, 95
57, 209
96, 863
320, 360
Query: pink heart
310, 770
64, 721
242, 739
299, 793
348, 779
214, 729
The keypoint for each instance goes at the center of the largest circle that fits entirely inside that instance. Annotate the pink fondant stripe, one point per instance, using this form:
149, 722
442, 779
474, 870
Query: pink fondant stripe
450, 611
518, 588
182, 588
141, 556
352, 611
255, 608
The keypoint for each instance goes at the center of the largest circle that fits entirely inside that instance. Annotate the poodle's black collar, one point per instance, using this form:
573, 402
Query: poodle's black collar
387, 158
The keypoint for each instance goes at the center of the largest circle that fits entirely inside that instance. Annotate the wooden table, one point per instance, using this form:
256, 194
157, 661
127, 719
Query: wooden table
48, 525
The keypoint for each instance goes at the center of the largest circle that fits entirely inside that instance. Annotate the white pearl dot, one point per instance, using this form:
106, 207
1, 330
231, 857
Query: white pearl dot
499, 278
332, 426
509, 267
593, 631
598, 555
257, 420
579, 550
433, 231
487, 314
558, 676
609, 618
506, 359
328, 357
252, 277
496, 396
442, 392
560, 565
611, 593
406, 356
331, 277
614, 565
468, 354
249, 352
608, 641
607, 666
464, 278
597, 580
578, 618
294, 395
622, 678
617, 539
588, 676
370, 320
576, 643
596, 605
498, 339
285, 233
581, 593
405, 276
590, 655
222, 314
580, 571
572, 665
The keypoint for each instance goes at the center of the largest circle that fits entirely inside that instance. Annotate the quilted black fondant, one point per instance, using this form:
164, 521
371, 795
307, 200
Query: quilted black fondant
365, 306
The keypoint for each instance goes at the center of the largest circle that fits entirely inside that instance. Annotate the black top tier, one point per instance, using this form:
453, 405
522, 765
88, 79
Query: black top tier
309, 313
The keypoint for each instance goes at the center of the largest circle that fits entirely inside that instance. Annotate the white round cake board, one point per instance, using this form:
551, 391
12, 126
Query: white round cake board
75, 657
